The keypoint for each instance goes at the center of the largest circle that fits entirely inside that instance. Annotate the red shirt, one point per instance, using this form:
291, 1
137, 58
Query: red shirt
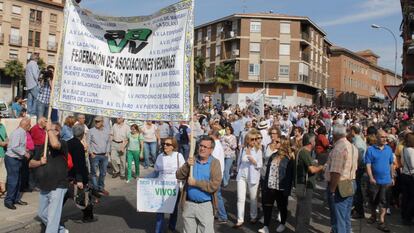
38, 135
322, 144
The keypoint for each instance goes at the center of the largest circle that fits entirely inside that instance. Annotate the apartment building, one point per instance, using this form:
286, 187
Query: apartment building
357, 80
407, 34
287, 55
28, 27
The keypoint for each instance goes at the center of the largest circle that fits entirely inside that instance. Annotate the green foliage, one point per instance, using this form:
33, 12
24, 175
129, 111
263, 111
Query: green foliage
224, 77
14, 69
199, 67
41, 64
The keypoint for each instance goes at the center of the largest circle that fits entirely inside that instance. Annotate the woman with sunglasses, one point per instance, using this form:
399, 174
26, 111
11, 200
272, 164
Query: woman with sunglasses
135, 151
277, 184
166, 165
249, 164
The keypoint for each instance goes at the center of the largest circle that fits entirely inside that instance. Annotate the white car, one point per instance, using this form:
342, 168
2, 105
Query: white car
4, 110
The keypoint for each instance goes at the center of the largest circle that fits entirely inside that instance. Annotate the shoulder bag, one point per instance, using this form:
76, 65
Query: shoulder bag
346, 187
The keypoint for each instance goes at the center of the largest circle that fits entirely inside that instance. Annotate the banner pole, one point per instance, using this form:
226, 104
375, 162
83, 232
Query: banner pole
192, 87
52, 90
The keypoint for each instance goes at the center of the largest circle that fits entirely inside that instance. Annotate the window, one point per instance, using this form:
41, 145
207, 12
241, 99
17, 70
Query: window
53, 18
13, 54
283, 70
218, 50
16, 10
34, 39
35, 15
255, 26
198, 52
285, 28
254, 69
254, 47
51, 43
1, 6
208, 52
51, 59
284, 49
218, 31
15, 38
199, 35
209, 33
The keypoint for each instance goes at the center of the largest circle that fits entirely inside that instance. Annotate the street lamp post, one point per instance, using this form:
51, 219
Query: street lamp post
396, 52
264, 63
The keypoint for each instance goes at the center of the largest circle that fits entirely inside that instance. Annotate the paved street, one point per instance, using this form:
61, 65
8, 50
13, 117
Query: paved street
117, 213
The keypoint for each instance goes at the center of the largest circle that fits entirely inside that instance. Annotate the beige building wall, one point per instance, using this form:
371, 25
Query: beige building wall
18, 19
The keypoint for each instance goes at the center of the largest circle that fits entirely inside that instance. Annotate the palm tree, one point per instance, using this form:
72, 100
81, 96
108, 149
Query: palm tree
199, 67
14, 69
223, 78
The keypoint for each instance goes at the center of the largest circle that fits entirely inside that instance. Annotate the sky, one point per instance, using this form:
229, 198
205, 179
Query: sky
346, 22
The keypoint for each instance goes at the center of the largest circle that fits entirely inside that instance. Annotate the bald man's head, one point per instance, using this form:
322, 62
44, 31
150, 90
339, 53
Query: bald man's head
25, 124
42, 122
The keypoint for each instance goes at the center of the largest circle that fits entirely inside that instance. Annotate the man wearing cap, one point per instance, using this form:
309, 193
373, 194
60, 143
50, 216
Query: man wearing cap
99, 142
119, 135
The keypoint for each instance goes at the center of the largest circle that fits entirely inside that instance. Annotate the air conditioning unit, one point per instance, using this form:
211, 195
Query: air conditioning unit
232, 34
235, 52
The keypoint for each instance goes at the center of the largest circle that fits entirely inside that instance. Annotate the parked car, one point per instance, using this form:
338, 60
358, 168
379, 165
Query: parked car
4, 110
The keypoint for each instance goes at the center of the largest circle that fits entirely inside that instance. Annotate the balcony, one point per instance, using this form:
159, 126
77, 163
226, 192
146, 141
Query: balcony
1, 38
35, 23
52, 46
230, 35
15, 40
305, 57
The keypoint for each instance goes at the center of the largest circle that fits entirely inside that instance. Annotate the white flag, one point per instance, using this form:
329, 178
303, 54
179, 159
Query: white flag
255, 102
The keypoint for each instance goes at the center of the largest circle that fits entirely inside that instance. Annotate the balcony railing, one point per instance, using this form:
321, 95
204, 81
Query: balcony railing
305, 57
52, 46
15, 40
230, 34
1, 38
304, 78
305, 36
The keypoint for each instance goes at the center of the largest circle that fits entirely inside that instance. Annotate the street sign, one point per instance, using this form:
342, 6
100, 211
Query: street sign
393, 90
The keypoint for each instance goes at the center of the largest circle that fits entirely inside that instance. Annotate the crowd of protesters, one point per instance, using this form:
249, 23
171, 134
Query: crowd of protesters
365, 158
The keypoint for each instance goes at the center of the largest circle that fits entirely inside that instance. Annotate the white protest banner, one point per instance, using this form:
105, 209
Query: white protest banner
131, 67
255, 102
156, 195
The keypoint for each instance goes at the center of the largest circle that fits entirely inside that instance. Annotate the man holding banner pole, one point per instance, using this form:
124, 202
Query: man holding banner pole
199, 197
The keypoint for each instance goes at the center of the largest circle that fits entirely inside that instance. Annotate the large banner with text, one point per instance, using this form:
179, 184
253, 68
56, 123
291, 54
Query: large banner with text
131, 67
156, 195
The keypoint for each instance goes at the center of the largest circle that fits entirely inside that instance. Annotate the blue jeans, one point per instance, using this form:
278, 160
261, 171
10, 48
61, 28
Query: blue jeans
150, 150
32, 100
50, 209
13, 167
340, 211
159, 224
184, 149
101, 162
41, 109
228, 162
222, 214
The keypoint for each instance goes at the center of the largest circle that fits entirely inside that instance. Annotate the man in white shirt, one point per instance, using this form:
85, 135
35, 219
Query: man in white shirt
119, 134
286, 125
218, 153
263, 126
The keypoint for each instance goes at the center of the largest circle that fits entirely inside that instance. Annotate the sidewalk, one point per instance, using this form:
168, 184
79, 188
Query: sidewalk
23, 216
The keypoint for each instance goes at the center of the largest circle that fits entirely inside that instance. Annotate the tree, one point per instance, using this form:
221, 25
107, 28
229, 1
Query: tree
223, 78
14, 69
199, 67
41, 64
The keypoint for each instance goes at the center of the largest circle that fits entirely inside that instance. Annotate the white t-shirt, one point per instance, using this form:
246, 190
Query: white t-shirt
166, 165
218, 153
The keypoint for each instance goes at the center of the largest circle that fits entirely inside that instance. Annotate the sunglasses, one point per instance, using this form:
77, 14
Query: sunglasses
254, 139
167, 144
277, 142
97, 121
